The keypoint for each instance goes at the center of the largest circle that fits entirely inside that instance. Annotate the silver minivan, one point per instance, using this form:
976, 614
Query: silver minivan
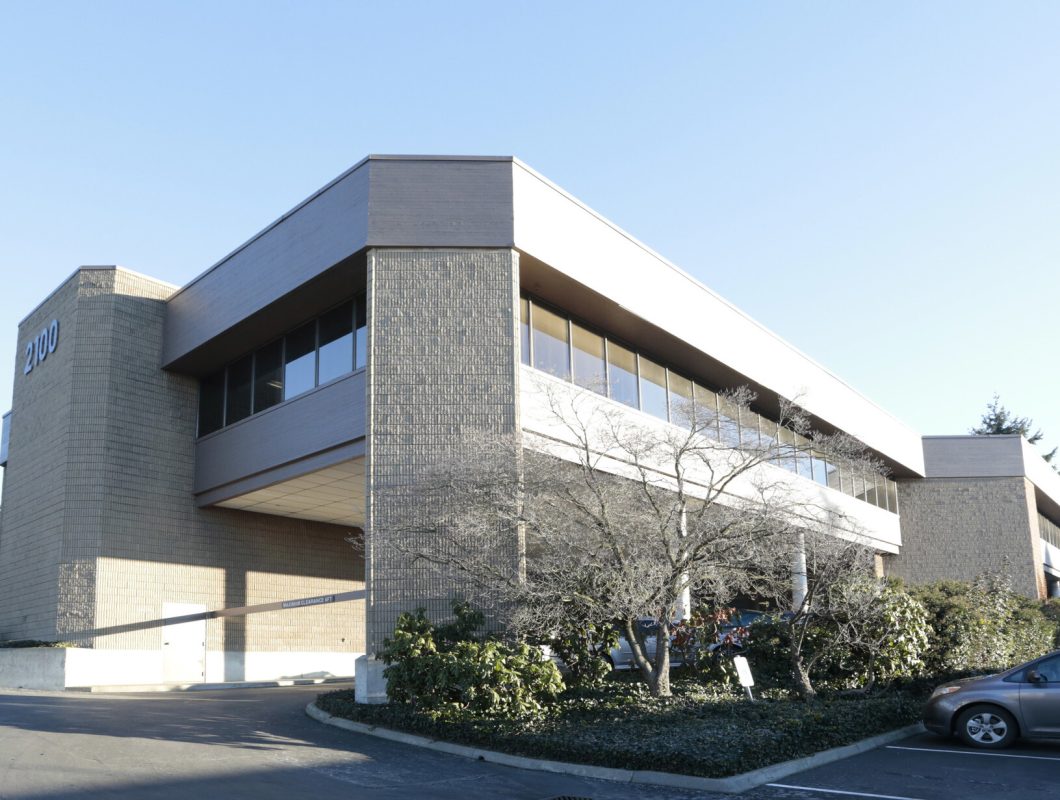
993, 711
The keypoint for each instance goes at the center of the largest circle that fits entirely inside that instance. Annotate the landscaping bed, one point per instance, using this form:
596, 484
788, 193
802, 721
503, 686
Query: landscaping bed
696, 732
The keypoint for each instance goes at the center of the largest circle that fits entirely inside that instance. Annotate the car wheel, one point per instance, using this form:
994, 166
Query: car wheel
987, 726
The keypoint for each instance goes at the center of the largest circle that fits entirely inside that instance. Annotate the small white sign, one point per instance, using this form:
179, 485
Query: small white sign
743, 671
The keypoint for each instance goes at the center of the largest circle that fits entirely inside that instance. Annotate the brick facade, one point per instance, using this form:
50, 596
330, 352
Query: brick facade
100, 526
443, 360
959, 528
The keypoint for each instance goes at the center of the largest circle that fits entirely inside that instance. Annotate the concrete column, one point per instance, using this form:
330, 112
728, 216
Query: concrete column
443, 360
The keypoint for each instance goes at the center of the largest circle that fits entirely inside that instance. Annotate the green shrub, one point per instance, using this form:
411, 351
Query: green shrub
884, 639
454, 676
766, 650
1051, 609
583, 645
879, 633
982, 626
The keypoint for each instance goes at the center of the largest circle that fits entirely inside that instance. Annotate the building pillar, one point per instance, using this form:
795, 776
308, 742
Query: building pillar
443, 361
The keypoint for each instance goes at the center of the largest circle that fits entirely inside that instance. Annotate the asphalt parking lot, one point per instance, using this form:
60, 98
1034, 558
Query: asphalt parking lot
259, 745
928, 767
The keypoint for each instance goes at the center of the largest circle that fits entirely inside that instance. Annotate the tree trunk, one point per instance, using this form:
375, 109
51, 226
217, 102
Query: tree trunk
656, 675
800, 674
662, 662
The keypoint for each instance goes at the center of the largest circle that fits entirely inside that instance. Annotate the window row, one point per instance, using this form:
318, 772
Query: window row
555, 344
316, 352
1048, 530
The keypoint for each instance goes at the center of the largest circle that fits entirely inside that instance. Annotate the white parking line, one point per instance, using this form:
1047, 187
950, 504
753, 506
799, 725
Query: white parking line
837, 791
971, 753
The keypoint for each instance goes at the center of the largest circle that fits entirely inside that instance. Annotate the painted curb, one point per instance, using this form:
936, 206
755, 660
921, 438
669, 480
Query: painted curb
734, 783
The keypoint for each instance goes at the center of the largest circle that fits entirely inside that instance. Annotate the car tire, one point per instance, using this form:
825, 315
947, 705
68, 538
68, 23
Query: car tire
986, 726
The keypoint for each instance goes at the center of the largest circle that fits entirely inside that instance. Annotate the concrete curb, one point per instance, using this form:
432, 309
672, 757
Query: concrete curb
734, 783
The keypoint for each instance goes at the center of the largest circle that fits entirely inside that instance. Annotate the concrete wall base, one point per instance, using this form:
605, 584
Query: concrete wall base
370, 683
55, 669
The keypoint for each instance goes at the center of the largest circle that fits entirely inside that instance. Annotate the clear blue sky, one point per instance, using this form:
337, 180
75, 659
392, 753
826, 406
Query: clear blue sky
879, 183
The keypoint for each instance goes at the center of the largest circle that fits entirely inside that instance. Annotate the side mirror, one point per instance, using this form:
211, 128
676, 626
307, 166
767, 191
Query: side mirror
1033, 676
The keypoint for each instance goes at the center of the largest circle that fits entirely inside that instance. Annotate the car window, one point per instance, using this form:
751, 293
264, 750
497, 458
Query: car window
1049, 669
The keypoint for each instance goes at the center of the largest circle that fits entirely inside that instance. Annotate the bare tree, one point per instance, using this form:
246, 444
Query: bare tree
613, 514
825, 562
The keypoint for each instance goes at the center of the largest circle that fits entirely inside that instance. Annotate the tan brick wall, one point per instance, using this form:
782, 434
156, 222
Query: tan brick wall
443, 360
126, 537
33, 513
959, 528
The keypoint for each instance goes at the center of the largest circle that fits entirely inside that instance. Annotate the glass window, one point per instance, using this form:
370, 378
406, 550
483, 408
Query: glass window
802, 454
589, 372
892, 496
819, 468
846, 480
749, 428
336, 343
1048, 669
361, 325
524, 330
787, 448
268, 375
729, 421
706, 410
212, 403
653, 389
858, 483
237, 396
299, 369
622, 375
881, 492
870, 488
832, 472
767, 432
682, 411
551, 343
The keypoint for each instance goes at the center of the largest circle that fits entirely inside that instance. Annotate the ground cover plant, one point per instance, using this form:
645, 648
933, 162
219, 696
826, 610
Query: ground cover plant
698, 731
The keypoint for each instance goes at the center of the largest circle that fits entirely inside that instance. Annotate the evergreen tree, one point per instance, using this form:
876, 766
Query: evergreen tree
999, 420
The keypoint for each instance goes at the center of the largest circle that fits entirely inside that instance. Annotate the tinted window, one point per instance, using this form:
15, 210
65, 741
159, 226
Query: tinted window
786, 457
336, 343
729, 421
748, 428
268, 375
589, 360
299, 371
802, 453
1049, 669
832, 475
361, 324
653, 389
551, 343
622, 375
892, 496
237, 397
212, 403
820, 469
706, 410
524, 330
682, 409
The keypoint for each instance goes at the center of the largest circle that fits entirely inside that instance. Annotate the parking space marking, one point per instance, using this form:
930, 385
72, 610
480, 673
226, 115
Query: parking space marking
972, 753
839, 791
